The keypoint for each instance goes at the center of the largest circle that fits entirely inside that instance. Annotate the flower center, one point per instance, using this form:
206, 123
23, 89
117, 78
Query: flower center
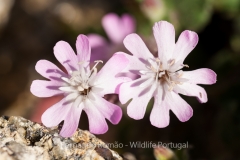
165, 76
80, 80
85, 91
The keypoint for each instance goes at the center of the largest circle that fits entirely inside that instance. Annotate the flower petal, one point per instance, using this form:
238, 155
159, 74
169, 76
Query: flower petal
200, 76
130, 90
83, 49
96, 40
99, 48
164, 34
137, 47
97, 122
159, 116
134, 65
110, 111
109, 71
71, 121
128, 24
66, 56
185, 44
56, 113
49, 70
41, 88
114, 27
192, 90
180, 108
137, 107
112, 86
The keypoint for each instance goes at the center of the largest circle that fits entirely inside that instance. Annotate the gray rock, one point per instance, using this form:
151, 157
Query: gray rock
21, 139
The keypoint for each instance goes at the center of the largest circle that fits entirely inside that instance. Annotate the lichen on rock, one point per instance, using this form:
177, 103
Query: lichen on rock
21, 139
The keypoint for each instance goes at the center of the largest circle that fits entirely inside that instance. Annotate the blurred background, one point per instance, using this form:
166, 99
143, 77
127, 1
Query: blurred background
29, 29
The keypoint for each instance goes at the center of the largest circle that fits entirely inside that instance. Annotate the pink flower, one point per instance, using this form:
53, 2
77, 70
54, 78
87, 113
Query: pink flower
117, 28
162, 77
82, 88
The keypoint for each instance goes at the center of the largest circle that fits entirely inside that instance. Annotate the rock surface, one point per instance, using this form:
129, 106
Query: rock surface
21, 139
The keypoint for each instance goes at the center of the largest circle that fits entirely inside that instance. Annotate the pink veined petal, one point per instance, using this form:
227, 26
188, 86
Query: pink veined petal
110, 111
137, 107
128, 24
113, 26
185, 44
97, 122
83, 50
159, 116
66, 56
164, 34
200, 76
99, 47
49, 70
112, 86
56, 113
71, 121
113, 66
96, 40
180, 108
192, 90
129, 75
41, 88
134, 65
137, 47
130, 90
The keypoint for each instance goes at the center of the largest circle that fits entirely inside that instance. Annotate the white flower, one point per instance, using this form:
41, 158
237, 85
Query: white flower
82, 88
162, 77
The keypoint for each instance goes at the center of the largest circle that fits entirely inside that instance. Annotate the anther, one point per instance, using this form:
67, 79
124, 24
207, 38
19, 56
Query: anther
153, 69
185, 65
80, 88
157, 59
171, 62
97, 61
180, 75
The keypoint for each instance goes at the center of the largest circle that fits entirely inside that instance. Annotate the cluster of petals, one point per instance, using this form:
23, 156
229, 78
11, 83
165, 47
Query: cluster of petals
83, 88
162, 77
116, 28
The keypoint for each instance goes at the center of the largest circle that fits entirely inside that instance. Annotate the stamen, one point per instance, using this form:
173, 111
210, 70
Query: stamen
161, 74
80, 88
157, 59
185, 65
171, 62
160, 66
180, 75
84, 85
153, 69
92, 76
171, 86
97, 61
